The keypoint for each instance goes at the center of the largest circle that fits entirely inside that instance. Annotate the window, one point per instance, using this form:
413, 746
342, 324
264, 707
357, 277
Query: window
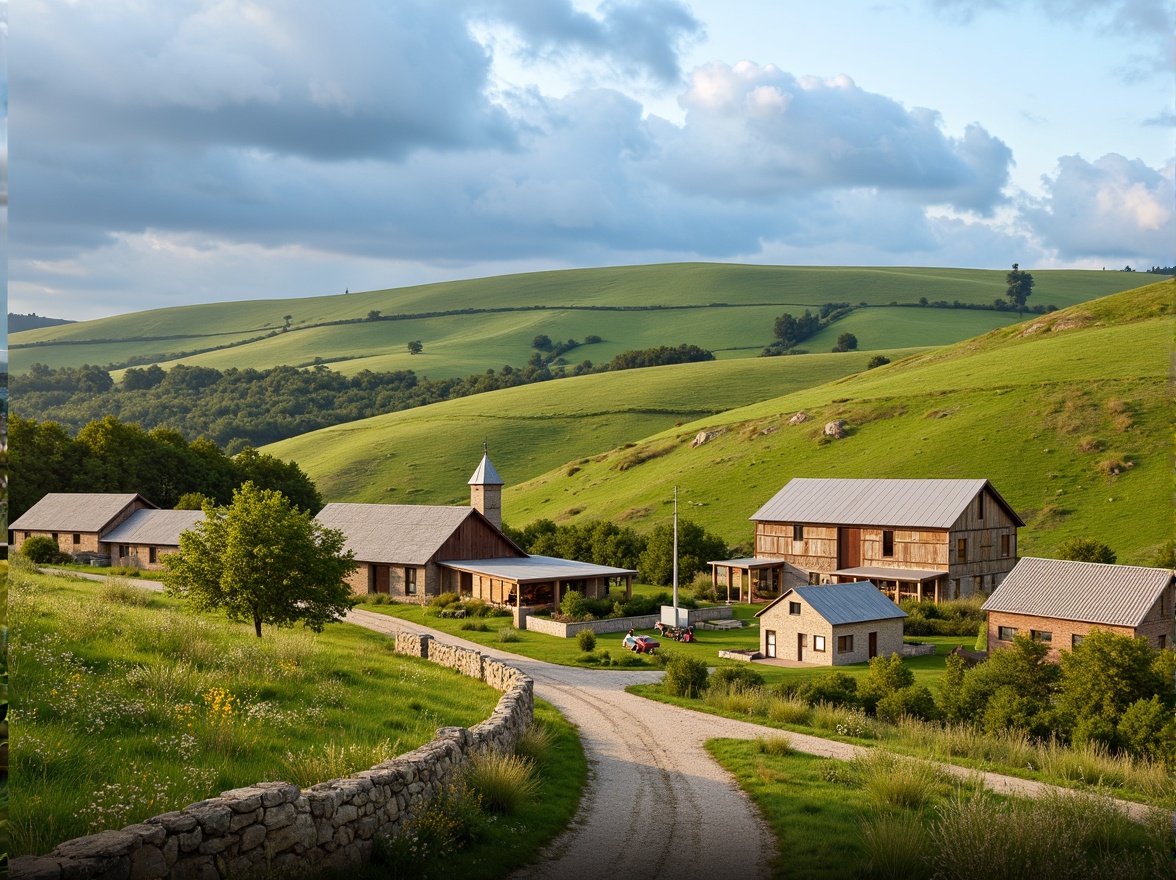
1041, 635
54, 536
1163, 642
77, 538
122, 551
1006, 545
819, 643
794, 608
1006, 633
1076, 640
798, 532
844, 644
814, 578
980, 506
410, 581
961, 549
152, 554
977, 584
887, 542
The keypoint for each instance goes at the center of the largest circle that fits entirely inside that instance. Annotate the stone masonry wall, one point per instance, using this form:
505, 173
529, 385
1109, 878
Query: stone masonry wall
618, 624
277, 826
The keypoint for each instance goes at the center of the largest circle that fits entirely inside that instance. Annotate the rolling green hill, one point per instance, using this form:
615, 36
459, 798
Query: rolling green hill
425, 455
1048, 410
468, 326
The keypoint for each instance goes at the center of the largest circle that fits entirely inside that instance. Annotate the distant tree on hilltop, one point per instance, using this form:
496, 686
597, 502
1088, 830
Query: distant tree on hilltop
1020, 287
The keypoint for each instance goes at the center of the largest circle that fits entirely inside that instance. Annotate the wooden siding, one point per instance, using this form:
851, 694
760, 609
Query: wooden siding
474, 539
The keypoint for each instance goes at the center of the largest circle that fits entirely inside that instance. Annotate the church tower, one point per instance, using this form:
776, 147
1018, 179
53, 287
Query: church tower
486, 490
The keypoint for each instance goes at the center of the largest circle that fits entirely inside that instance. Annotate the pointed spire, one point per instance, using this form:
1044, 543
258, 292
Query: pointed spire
485, 475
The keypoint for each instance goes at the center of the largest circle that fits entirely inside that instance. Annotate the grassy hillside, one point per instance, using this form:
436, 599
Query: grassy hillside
1048, 410
718, 306
426, 455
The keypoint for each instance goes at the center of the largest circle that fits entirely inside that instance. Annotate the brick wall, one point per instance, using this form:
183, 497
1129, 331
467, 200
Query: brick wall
277, 826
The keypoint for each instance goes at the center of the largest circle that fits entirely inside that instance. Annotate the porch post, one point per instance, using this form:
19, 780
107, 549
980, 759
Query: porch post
628, 587
920, 590
555, 591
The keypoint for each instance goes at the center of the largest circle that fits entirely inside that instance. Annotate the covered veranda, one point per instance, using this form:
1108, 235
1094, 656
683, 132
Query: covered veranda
898, 583
539, 581
744, 578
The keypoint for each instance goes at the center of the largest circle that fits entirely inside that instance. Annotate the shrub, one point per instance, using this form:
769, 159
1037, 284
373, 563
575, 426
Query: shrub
685, 676
895, 844
442, 601
913, 701
43, 550
535, 743
572, 606
1085, 550
835, 688
1147, 728
736, 678
503, 782
777, 746
877, 361
886, 675
475, 608
474, 626
586, 639
509, 634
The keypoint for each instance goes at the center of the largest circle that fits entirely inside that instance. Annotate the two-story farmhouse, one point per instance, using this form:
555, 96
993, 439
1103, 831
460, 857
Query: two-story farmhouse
936, 539
80, 522
1058, 601
413, 552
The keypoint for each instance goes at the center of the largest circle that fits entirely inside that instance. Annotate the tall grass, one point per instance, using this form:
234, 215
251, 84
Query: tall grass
503, 781
895, 781
895, 845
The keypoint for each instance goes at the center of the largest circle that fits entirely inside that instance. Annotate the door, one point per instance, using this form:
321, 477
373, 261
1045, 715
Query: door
873, 644
379, 579
801, 644
770, 643
849, 548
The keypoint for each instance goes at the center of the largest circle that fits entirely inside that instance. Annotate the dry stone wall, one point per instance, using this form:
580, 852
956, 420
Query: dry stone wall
276, 826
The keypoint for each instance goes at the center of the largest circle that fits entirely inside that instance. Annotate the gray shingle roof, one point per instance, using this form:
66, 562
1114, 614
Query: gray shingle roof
158, 527
1090, 592
397, 534
537, 568
74, 511
485, 475
844, 603
899, 503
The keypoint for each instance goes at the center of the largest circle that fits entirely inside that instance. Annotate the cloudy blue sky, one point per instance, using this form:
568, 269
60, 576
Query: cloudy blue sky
201, 150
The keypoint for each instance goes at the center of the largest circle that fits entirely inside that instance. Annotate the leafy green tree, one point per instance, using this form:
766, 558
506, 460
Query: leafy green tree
1023, 669
415, 346
1147, 728
1020, 286
1106, 673
260, 559
696, 547
1085, 550
950, 699
193, 501
268, 472
912, 701
846, 342
373, 315
542, 342
877, 360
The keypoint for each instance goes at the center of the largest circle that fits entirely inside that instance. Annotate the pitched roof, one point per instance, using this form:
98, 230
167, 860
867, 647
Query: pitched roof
75, 511
874, 502
1090, 592
537, 568
485, 475
399, 534
844, 603
161, 527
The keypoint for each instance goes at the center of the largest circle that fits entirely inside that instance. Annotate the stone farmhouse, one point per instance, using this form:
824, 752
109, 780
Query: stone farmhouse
80, 522
1058, 601
414, 552
913, 539
144, 538
832, 625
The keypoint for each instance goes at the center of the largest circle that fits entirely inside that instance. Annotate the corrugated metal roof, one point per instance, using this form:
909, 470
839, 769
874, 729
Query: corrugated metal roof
752, 562
486, 475
870, 572
875, 502
536, 568
159, 527
1090, 592
400, 534
844, 603
74, 511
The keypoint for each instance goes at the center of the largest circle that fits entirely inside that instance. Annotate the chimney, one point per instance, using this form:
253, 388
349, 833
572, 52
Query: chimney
486, 490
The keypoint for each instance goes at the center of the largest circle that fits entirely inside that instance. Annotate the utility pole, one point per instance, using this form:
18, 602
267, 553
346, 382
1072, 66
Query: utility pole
675, 556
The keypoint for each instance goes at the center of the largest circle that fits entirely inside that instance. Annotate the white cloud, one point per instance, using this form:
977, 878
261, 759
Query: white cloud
1113, 207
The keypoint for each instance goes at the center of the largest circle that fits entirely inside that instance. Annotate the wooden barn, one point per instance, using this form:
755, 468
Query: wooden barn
831, 625
147, 535
414, 552
913, 539
78, 521
1058, 601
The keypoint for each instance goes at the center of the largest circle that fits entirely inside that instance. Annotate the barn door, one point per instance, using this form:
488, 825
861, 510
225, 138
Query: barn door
380, 576
849, 548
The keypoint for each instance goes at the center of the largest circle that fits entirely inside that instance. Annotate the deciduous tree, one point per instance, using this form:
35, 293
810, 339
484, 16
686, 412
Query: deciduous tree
262, 560
1085, 550
1020, 286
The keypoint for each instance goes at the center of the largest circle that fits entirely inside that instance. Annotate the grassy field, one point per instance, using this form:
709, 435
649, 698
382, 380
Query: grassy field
1047, 410
728, 307
127, 706
426, 455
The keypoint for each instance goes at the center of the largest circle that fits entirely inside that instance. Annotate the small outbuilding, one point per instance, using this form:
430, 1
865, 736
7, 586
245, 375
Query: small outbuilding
831, 625
78, 521
1058, 601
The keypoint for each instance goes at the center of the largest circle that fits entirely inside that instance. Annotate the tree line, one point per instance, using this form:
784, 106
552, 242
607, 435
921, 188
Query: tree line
239, 408
108, 455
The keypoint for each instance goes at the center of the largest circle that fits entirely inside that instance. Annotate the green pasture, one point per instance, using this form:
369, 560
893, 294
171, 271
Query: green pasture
426, 455
471, 343
1047, 417
128, 706
878, 328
